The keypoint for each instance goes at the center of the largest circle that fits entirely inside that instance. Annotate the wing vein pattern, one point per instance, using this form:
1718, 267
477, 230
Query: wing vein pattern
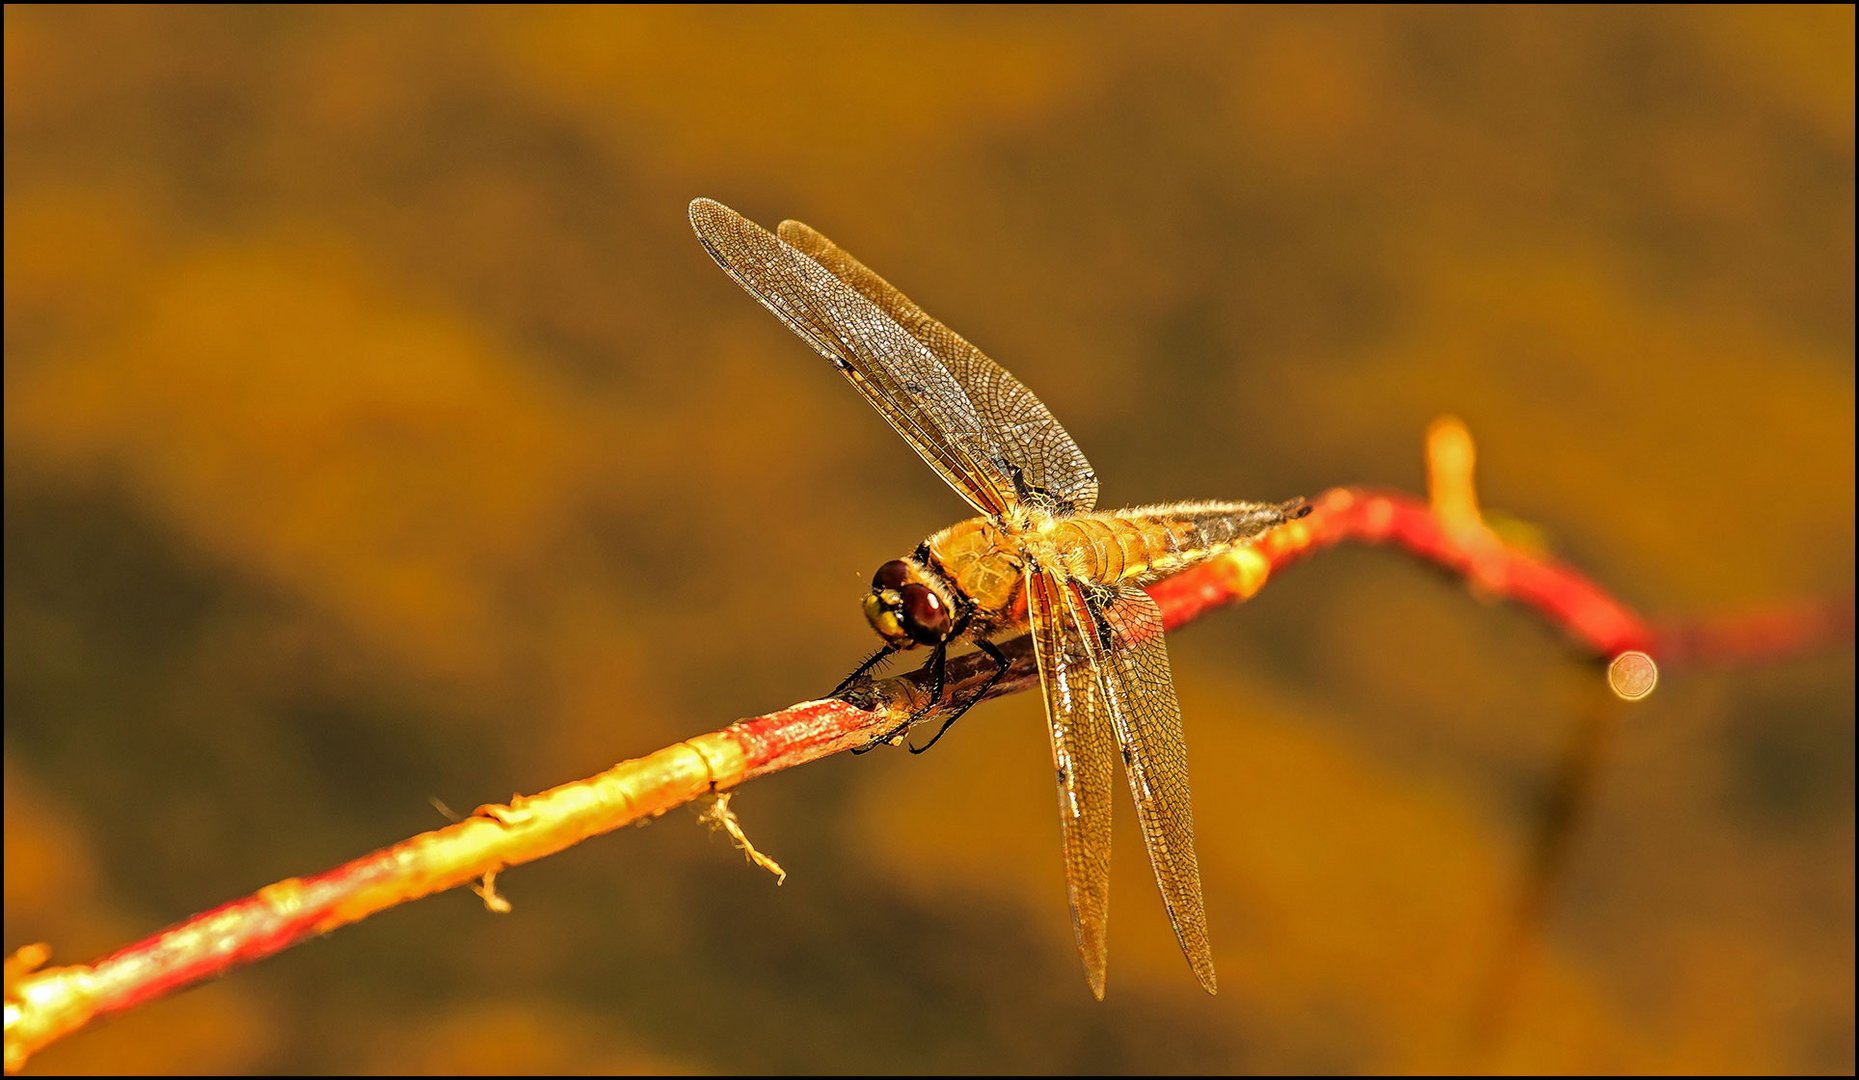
1082, 755
1040, 455
1138, 692
896, 372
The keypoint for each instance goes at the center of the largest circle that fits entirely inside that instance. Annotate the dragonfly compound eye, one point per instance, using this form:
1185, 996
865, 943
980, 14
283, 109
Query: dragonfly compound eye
892, 575
926, 618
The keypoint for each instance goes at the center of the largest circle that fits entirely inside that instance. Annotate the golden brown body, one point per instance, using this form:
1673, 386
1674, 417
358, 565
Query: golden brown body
1039, 556
985, 560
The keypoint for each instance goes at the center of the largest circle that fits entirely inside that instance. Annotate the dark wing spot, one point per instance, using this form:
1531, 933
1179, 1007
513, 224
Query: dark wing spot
915, 388
1033, 493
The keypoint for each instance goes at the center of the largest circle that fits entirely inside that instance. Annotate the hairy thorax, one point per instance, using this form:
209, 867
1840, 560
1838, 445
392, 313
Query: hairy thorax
986, 563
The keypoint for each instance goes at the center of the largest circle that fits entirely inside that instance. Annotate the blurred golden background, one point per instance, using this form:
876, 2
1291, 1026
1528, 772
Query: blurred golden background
377, 432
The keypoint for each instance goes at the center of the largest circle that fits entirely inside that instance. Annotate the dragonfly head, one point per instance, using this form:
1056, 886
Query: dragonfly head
909, 606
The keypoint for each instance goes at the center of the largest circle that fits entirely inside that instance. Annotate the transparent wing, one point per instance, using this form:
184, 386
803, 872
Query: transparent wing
1082, 752
895, 371
1131, 661
1044, 461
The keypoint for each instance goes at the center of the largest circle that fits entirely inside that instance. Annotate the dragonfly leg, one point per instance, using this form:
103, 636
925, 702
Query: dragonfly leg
871, 661
937, 664
1001, 664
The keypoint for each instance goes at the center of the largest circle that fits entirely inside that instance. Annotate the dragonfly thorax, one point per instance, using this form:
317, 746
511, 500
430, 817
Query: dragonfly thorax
910, 605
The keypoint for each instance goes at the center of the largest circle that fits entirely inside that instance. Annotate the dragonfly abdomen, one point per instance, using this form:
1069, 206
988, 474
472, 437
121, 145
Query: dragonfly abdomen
1148, 542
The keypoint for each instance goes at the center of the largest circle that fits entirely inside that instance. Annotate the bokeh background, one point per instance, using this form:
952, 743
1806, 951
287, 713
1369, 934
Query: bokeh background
377, 433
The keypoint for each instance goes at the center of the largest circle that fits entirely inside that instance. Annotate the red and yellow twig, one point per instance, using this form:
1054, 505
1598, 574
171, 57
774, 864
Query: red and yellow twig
45, 1004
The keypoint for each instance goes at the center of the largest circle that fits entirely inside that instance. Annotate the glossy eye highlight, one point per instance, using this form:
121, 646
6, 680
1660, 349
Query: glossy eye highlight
926, 619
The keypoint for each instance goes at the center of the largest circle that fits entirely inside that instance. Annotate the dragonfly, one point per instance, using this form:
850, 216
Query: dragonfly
1038, 556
